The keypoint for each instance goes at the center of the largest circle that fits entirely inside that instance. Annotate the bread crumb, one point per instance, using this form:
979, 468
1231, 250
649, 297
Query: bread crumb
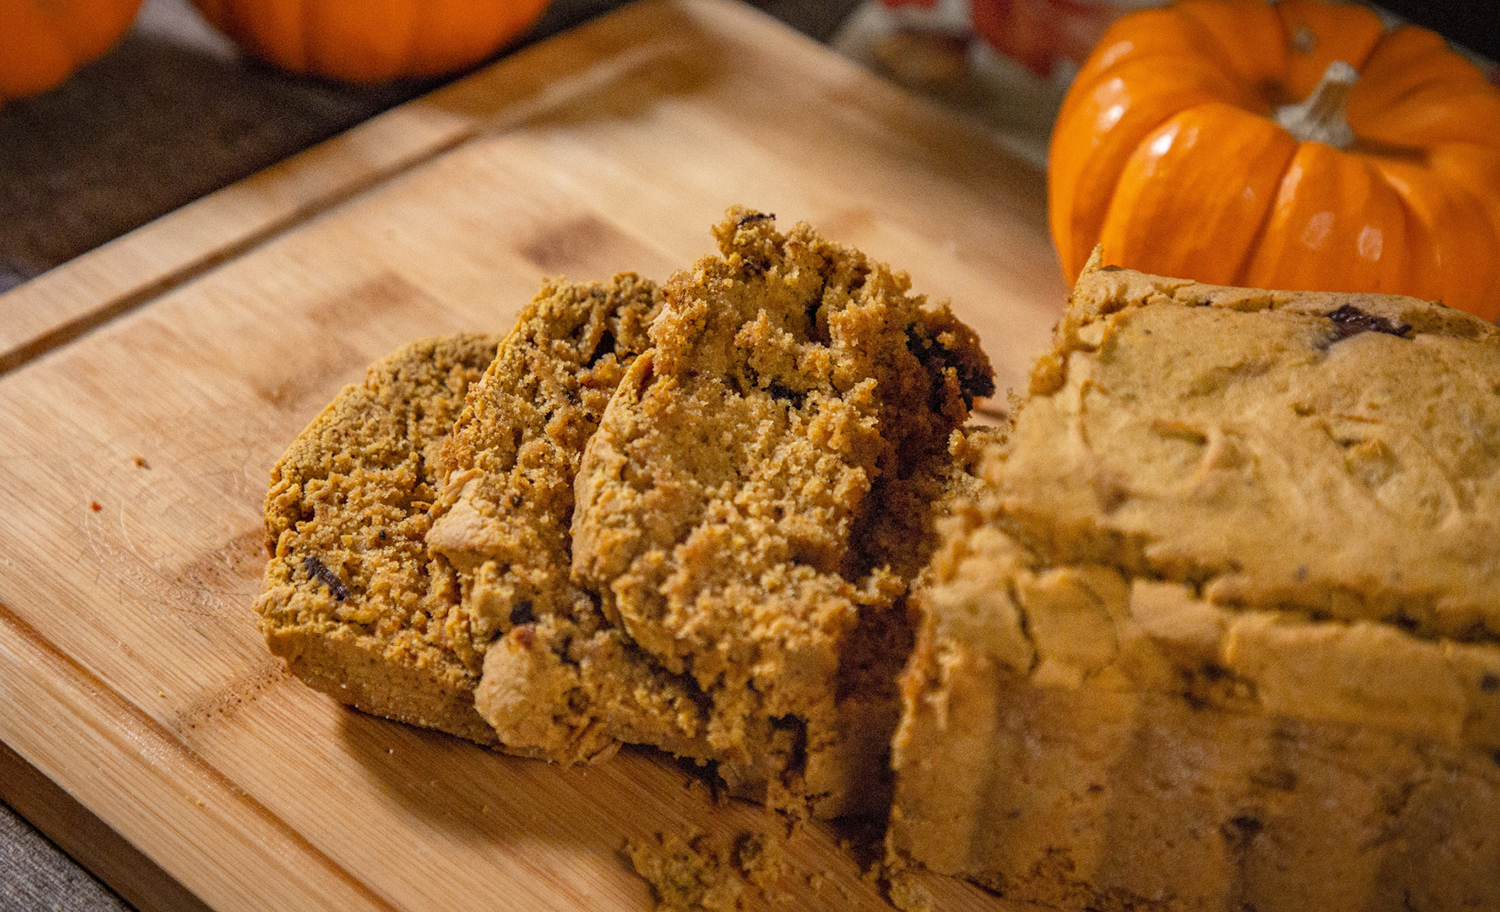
708, 873
906, 894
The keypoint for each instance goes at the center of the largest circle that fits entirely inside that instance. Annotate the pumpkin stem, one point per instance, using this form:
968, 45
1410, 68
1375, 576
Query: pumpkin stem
1323, 116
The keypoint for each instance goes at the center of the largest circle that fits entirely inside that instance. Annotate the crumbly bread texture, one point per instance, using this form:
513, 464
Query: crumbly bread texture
752, 502
710, 872
352, 599
559, 680
1223, 629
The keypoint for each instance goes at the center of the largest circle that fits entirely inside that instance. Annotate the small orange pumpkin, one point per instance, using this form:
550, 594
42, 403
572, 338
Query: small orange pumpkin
42, 42
1223, 141
368, 41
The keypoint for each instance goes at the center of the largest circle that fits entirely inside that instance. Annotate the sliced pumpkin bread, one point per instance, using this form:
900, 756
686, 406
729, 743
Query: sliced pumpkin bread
352, 599
756, 497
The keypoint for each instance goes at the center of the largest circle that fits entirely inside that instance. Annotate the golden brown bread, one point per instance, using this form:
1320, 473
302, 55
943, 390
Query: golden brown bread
352, 600
1223, 630
559, 680
732, 504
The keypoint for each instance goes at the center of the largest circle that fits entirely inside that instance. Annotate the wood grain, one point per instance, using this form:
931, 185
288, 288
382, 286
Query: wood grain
151, 387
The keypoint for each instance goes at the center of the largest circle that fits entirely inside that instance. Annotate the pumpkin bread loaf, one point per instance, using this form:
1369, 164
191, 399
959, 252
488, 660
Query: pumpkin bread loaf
757, 496
352, 599
559, 680
1223, 629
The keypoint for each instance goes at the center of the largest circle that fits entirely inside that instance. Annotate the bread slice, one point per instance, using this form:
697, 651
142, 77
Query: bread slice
794, 398
1223, 630
352, 599
559, 680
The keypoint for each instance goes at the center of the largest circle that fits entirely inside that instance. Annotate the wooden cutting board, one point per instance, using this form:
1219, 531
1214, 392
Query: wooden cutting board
148, 387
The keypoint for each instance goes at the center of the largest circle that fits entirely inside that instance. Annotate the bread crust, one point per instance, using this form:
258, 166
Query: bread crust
1221, 631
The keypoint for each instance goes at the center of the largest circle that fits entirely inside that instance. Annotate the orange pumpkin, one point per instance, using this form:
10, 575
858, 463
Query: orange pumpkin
1210, 140
42, 42
367, 41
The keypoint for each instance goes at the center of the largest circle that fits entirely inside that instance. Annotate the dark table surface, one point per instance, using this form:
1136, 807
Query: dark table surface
35, 875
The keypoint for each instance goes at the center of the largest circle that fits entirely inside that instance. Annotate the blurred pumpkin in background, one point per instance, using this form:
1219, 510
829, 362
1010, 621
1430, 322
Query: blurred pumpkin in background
42, 42
1295, 145
368, 41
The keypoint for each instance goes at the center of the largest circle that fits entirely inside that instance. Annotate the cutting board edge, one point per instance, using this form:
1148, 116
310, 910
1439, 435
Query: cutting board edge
88, 840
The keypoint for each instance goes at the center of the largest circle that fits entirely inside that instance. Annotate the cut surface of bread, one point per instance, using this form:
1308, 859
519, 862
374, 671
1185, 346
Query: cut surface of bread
352, 599
559, 680
759, 483
689, 517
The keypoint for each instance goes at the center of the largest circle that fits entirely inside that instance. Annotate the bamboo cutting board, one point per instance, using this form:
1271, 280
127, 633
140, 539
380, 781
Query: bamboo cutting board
147, 388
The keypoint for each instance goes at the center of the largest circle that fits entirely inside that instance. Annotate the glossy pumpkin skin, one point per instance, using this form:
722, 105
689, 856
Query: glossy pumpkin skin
42, 42
370, 41
1165, 153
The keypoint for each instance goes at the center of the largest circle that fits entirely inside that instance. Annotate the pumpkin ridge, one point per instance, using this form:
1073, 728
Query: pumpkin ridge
1481, 272
1421, 243
303, 56
1406, 94
1242, 271
1212, 47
